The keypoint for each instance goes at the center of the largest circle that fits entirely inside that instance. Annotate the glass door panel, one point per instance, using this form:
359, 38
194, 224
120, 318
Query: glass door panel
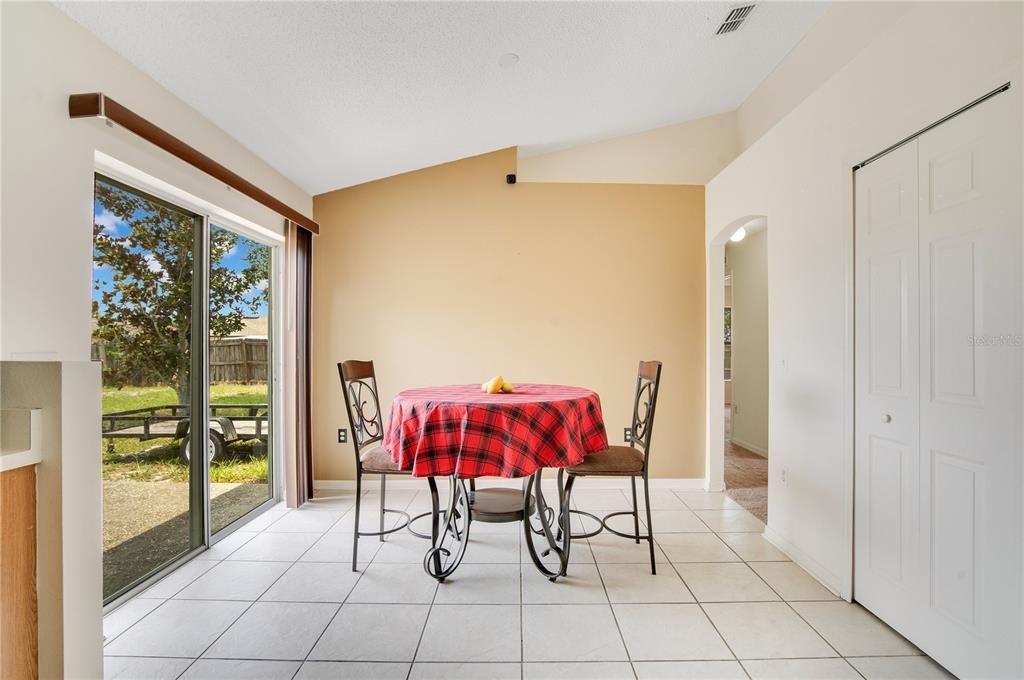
240, 370
144, 283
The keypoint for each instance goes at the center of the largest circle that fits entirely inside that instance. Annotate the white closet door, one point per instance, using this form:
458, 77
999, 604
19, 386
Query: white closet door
971, 445
938, 334
886, 525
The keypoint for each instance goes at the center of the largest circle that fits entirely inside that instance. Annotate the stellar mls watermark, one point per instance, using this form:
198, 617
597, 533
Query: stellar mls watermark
1008, 340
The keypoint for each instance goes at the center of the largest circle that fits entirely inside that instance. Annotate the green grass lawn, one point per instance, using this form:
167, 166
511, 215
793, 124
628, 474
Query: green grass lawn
157, 459
125, 398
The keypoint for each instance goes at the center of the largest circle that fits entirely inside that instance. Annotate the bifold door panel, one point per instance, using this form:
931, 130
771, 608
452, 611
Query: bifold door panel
938, 390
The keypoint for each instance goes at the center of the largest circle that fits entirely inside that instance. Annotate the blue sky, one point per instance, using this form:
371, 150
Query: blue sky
235, 259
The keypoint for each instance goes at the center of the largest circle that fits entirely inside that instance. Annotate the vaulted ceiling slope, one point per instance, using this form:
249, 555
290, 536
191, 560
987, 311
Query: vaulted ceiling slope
335, 94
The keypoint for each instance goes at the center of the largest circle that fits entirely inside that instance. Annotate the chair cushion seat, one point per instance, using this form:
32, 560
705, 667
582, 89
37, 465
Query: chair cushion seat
615, 460
377, 459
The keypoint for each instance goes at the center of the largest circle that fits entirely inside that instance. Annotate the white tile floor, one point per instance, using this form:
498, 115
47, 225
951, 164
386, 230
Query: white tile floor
279, 600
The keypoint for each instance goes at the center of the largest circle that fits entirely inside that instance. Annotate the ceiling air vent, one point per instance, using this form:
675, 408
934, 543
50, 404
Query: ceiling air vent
735, 19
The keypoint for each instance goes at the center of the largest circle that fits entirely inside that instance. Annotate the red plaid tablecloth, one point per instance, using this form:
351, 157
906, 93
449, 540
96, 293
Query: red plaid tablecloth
457, 429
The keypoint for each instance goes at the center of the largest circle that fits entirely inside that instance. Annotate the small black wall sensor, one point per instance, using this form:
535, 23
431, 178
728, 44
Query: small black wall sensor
510, 179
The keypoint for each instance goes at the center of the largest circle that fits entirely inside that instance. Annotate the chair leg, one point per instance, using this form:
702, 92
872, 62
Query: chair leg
650, 528
355, 530
383, 488
435, 524
636, 513
567, 520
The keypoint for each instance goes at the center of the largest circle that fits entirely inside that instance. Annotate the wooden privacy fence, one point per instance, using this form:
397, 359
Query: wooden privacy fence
238, 360
232, 360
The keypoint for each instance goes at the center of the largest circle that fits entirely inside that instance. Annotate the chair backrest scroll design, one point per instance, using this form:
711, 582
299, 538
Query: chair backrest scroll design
359, 386
648, 380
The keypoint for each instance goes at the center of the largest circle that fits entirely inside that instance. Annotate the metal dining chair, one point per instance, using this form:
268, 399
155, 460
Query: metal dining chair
359, 384
625, 461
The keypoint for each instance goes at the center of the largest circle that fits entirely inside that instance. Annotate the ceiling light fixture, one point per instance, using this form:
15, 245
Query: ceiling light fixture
738, 235
508, 60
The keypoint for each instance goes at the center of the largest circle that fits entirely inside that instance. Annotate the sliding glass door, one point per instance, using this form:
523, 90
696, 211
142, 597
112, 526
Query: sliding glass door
240, 368
181, 325
144, 288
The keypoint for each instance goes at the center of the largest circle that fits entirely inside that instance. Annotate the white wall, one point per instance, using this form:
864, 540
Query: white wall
46, 276
686, 153
748, 265
932, 60
47, 167
841, 33
69, 577
694, 151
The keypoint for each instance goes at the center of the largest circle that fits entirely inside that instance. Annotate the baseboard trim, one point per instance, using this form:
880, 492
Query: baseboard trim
750, 447
697, 484
811, 566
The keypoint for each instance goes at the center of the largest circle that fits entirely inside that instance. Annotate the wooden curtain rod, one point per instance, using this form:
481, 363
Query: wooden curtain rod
98, 105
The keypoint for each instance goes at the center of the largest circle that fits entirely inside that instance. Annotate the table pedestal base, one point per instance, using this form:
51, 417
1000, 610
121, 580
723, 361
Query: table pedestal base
450, 528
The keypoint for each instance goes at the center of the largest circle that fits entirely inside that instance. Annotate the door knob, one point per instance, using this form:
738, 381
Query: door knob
886, 418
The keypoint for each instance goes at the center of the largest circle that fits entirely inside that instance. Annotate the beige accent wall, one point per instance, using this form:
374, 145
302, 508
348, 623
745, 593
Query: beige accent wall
686, 153
449, 275
748, 392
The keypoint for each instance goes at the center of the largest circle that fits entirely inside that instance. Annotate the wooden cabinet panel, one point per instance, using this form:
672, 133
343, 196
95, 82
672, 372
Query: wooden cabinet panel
19, 630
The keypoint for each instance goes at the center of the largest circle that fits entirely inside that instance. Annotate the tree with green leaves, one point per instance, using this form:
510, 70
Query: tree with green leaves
144, 312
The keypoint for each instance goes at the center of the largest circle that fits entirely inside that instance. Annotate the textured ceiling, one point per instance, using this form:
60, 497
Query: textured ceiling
334, 94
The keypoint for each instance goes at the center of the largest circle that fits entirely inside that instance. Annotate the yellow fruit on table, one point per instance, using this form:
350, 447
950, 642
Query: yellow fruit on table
507, 387
493, 386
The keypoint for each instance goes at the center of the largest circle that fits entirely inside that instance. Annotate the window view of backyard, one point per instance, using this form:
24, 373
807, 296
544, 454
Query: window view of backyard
143, 315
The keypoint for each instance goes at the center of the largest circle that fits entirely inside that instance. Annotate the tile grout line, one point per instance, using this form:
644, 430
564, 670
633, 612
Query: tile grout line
818, 633
618, 627
782, 599
793, 609
426, 622
362, 572
215, 564
340, 605
253, 603
580, 661
226, 629
173, 595
510, 604
434, 603
702, 610
710, 621
522, 635
430, 608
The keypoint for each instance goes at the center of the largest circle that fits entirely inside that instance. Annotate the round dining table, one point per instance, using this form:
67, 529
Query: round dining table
462, 433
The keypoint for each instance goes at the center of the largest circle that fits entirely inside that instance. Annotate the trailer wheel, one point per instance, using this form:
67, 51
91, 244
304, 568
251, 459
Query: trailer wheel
215, 447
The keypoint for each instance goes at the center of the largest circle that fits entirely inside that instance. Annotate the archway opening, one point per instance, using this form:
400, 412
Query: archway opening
745, 367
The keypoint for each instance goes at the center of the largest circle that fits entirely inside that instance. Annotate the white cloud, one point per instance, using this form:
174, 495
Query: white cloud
154, 265
109, 221
258, 288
